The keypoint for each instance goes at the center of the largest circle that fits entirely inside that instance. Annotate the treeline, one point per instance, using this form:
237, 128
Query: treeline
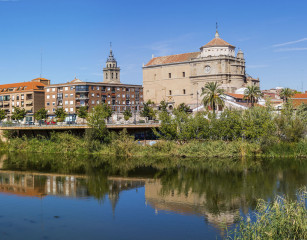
257, 124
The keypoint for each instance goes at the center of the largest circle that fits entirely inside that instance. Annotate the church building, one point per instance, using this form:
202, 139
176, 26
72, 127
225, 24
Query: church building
180, 78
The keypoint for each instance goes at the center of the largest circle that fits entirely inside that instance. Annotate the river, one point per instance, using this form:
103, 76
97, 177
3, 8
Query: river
118, 200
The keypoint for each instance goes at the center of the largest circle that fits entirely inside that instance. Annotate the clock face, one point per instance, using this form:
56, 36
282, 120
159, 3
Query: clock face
207, 69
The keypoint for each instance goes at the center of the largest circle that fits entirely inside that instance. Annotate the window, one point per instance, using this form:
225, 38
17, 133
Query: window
13, 104
93, 102
112, 75
48, 103
118, 89
53, 89
17, 104
48, 111
97, 95
132, 102
118, 95
53, 103
124, 95
66, 95
169, 75
93, 94
183, 74
71, 102
116, 75
106, 75
53, 96
183, 91
66, 109
170, 92
66, 88
17, 97
48, 96
71, 88
97, 101
71, 109
93, 88
48, 89
71, 95
132, 96
66, 102
108, 89
109, 102
53, 110
13, 98
97, 88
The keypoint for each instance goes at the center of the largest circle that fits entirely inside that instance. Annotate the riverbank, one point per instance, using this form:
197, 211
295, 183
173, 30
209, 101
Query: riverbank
124, 145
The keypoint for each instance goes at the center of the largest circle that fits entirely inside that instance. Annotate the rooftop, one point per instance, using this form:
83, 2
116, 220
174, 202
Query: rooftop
184, 57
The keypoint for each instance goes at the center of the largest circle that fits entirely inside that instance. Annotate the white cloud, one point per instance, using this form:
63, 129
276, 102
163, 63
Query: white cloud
290, 49
290, 43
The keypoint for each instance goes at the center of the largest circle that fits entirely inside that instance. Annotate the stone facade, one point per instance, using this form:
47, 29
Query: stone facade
180, 78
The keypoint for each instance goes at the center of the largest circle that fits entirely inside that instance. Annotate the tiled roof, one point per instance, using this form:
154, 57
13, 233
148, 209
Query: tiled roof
300, 95
298, 99
217, 42
172, 59
23, 86
238, 96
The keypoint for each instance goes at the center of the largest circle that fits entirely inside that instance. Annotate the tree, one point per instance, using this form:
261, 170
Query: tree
18, 114
96, 120
252, 94
148, 111
285, 94
127, 114
212, 96
106, 111
2, 114
163, 106
82, 112
60, 114
184, 108
41, 114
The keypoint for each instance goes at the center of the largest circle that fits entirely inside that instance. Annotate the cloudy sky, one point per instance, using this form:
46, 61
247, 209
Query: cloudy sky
74, 36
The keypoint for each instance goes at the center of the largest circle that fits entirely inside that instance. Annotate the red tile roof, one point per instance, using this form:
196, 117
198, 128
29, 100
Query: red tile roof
300, 95
217, 42
298, 99
172, 59
25, 86
238, 96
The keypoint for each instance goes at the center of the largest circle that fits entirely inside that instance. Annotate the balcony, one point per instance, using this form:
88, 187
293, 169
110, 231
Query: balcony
82, 97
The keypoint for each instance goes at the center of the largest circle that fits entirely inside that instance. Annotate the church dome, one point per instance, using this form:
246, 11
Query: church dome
217, 42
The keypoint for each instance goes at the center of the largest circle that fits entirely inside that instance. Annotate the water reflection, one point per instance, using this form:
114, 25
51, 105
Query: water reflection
218, 197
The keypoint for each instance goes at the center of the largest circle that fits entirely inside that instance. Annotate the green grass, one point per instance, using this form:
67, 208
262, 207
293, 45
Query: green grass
124, 145
280, 219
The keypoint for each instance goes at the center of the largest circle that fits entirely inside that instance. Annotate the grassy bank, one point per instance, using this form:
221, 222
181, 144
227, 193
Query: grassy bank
280, 219
124, 145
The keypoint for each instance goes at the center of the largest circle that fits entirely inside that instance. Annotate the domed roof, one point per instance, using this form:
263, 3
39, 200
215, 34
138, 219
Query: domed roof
111, 57
217, 42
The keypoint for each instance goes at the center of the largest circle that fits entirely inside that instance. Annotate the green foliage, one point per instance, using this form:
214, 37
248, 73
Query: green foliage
60, 114
41, 114
281, 219
127, 114
183, 108
302, 113
2, 114
163, 106
286, 93
123, 144
18, 114
148, 110
82, 112
106, 111
97, 121
212, 95
252, 93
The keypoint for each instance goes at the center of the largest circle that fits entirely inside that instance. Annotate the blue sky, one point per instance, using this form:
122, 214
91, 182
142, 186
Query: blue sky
74, 36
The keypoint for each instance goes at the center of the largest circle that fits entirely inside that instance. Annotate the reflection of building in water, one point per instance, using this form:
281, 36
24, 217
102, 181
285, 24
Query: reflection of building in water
189, 203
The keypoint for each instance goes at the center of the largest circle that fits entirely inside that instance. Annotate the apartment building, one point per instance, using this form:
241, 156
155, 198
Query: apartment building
72, 95
27, 95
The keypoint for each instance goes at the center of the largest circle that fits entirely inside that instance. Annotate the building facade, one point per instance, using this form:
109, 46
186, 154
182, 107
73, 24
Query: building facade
27, 95
180, 78
75, 94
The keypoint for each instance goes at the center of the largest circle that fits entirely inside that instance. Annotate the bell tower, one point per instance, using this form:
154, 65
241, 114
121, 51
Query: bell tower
111, 73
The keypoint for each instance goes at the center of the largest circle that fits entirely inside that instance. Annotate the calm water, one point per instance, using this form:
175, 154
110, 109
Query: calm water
133, 202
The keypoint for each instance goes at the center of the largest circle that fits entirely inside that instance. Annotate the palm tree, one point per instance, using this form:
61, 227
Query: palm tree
252, 94
285, 94
212, 95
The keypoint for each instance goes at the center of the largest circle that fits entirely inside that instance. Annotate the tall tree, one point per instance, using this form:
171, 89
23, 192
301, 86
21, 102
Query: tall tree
106, 111
285, 94
60, 114
252, 93
212, 95
41, 114
18, 114
148, 111
82, 112
127, 114
2, 114
183, 108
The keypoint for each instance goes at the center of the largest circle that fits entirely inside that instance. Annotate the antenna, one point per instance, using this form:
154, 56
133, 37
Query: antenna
111, 46
216, 26
41, 63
